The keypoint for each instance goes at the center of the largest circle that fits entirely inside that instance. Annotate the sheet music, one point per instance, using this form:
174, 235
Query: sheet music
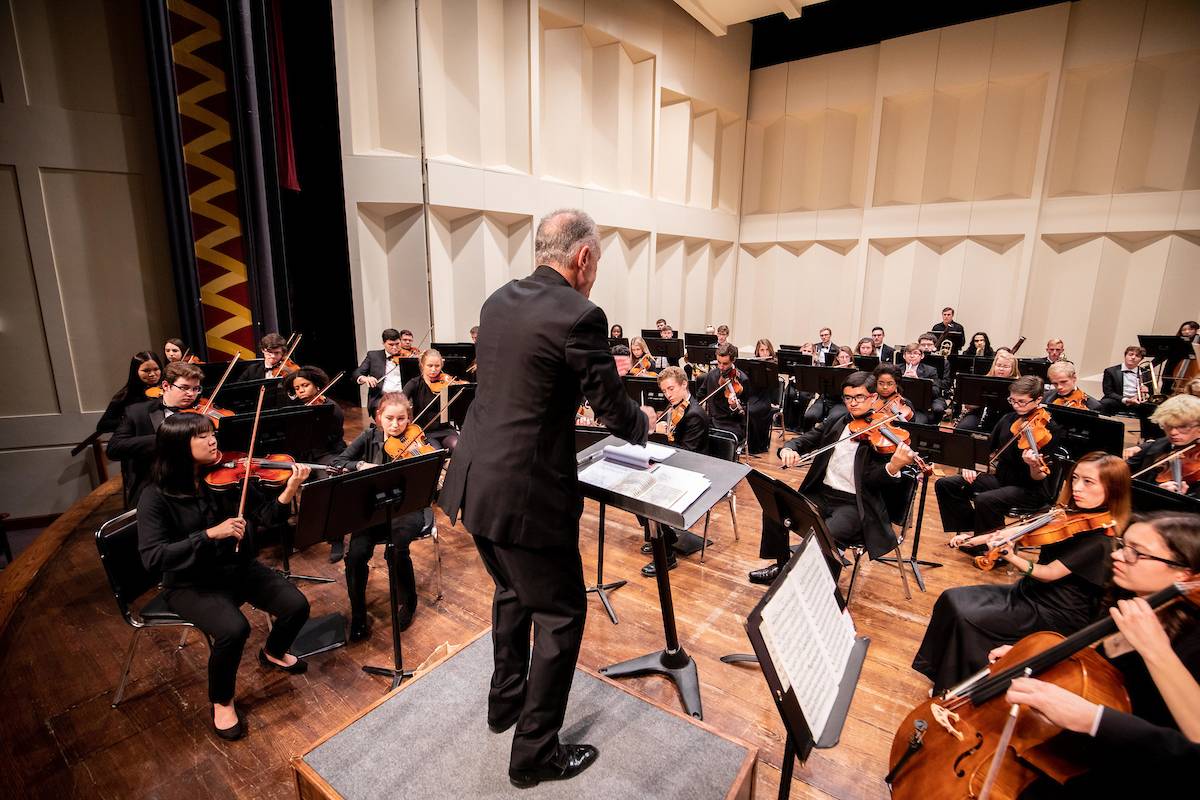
808, 637
661, 485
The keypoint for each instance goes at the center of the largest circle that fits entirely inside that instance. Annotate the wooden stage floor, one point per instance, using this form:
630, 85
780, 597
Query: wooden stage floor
61, 656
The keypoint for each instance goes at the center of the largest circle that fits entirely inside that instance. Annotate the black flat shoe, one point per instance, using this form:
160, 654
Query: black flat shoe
765, 576
570, 760
337, 551
359, 630
299, 668
649, 570
228, 734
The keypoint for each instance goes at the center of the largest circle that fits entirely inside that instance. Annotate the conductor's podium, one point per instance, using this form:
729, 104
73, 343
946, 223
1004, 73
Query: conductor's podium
429, 739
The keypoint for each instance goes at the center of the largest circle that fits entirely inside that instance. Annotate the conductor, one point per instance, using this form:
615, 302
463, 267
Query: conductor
514, 481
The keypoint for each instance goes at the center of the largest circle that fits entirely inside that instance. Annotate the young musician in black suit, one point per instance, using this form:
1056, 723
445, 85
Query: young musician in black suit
1126, 385
1064, 388
911, 366
848, 483
206, 554
145, 374
950, 329
514, 481
978, 502
427, 403
392, 418
886, 352
1179, 419
824, 346
726, 412
132, 442
273, 348
380, 370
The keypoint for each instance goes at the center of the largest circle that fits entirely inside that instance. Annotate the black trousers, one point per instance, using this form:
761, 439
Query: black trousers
840, 512
541, 590
362, 547
980, 506
758, 425
445, 438
217, 611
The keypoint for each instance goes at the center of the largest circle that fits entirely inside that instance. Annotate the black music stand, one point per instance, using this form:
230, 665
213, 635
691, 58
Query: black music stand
1087, 431
983, 390
456, 357
646, 392
825, 381
670, 349
620, 340
918, 392
1169, 350
932, 359
792, 360
1149, 496
801, 739
701, 354
585, 437
358, 500
1034, 366
651, 333
865, 363
762, 375
672, 661
213, 370
700, 340
242, 397
830, 358
462, 395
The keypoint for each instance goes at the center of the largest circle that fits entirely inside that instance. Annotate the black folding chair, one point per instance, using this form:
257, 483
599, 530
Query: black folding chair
724, 445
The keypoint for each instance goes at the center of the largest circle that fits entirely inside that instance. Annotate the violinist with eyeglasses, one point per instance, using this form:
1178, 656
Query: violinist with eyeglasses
727, 408
1173, 460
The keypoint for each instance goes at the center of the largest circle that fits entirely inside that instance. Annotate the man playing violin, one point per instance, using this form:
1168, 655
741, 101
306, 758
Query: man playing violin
380, 370
978, 502
726, 409
1179, 418
1064, 388
273, 348
133, 441
847, 482
424, 392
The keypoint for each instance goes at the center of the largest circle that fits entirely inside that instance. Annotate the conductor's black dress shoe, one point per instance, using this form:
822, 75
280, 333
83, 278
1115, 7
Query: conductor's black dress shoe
569, 761
765, 576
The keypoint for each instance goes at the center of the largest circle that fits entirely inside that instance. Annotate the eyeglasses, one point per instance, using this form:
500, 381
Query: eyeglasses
186, 389
1015, 402
1130, 554
855, 399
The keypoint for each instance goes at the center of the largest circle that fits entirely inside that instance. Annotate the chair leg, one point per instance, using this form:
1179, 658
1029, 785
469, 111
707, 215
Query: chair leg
704, 535
437, 556
183, 637
900, 562
732, 498
125, 672
853, 575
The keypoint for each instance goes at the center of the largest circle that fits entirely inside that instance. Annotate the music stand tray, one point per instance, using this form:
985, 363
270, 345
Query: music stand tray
701, 354
982, 390
645, 392
622, 340
651, 333
865, 363
1087, 431
672, 661
213, 370
761, 374
792, 360
242, 397
918, 392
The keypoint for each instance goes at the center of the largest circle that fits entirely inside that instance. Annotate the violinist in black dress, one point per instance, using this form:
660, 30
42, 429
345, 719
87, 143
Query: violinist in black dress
427, 403
1060, 591
205, 552
145, 373
302, 388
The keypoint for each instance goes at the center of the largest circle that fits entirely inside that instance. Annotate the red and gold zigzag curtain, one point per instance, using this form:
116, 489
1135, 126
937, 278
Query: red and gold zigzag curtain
199, 49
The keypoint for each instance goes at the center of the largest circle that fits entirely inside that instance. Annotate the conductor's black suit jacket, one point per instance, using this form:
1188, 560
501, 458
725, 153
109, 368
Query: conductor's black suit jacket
513, 477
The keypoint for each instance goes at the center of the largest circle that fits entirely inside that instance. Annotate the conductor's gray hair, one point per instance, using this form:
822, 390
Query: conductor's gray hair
561, 233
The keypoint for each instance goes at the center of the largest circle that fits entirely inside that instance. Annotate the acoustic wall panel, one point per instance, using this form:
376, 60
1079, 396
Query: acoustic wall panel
391, 265
381, 65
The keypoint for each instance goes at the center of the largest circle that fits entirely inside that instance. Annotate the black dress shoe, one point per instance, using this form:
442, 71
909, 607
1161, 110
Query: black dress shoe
299, 668
649, 570
569, 761
647, 548
359, 630
337, 551
228, 734
765, 576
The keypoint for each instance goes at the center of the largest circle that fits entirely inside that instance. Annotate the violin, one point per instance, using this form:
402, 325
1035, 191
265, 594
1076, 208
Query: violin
408, 444
319, 397
883, 435
443, 381
676, 417
206, 408
1178, 466
894, 406
642, 367
1031, 432
1054, 526
584, 415
733, 387
286, 366
1076, 399
271, 470
947, 748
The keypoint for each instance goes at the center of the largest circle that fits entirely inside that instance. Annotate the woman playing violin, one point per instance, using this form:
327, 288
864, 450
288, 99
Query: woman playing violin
643, 364
887, 388
302, 386
393, 430
1059, 591
141, 384
424, 392
1179, 418
174, 350
974, 418
205, 552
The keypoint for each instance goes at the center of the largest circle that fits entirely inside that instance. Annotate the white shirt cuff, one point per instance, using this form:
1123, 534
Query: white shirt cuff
1096, 721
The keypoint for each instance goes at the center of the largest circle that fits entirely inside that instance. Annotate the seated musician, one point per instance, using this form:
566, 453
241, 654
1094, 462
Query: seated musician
660, 323
475, 334
205, 552
1189, 331
392, 418
825, 347
844, 357
642, 364
1158, 658
174, 350
132, 442
914, 354
686, 426
847, 483
273, 348
976, 418
1179, 418
623, 359
977, 502
1055, 350
667, 332
302, 386
142, 381
616, 332
887, 388
726, 408
423, 392
1060, 591
723, 335
865, 347
1125, 385
759, 405
928, 342
885, 352
1064, 388
948, 328
380, 370
764, 349
980, 346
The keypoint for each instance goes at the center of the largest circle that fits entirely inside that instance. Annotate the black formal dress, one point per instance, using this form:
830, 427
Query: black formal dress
980, 506
515, 483
444, 434
132, 444
968, 621
758, 418
376, 365
368, 447
257, 371
720, 415
114, 412
1151, 453
206, 581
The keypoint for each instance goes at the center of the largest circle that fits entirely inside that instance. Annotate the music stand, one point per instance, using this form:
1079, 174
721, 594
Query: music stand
359, 500
646, 392
456, 357
213, 370
585, 437
410, 367
793, 347
700, 339
1034, 366
934, 360
790, 360
672, 661
651, 333
701, 354
865, 363
1087, 431
762, 375
242, 397
459, 405
830, 358
825, 381
1149, 496
1165, 349
671, 349
622, 340
982, 390
918, 392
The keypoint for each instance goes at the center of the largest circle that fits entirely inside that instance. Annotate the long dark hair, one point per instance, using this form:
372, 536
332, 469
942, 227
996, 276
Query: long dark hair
988, 352
174, 468
134, 390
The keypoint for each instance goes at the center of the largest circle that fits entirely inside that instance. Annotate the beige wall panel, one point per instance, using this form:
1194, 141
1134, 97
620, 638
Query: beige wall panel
752, 172
563, 101
807, 86
851, 76
697, 285
392, 277
678, 57
29, 389
515, 111
568, 9
723, 275
1088, 129
611, 278
611, 83
108, 253
1103, 32
903, 141
964, 54
908, 64
642, 128
82, 55
1062, 287
768, 93
381, 39
1170, 26
732, 154
1030, 42
952, 157
1160, 123
897, 288
1178, 298
674, 134
666, 284
1011, 131
988, 294
843, 160
800, 182
703, 167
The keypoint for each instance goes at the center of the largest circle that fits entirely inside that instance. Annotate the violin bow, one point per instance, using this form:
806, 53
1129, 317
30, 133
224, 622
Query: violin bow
436, 397
212, 397
808, 457
262, 390
423, 338
1164, 460
279, 367
321, 394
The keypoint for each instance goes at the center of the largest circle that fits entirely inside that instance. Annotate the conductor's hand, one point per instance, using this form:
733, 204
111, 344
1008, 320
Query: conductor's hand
1063, 708
790, 458
969, 475
903, 456
234, 527
368, 380
651, 416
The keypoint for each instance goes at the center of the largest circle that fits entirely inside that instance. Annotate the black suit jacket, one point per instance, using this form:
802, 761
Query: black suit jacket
375, 365
132, 444
514, 477
886, 353
717, 407
953, 327
870, 479
692, 431
254, 371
